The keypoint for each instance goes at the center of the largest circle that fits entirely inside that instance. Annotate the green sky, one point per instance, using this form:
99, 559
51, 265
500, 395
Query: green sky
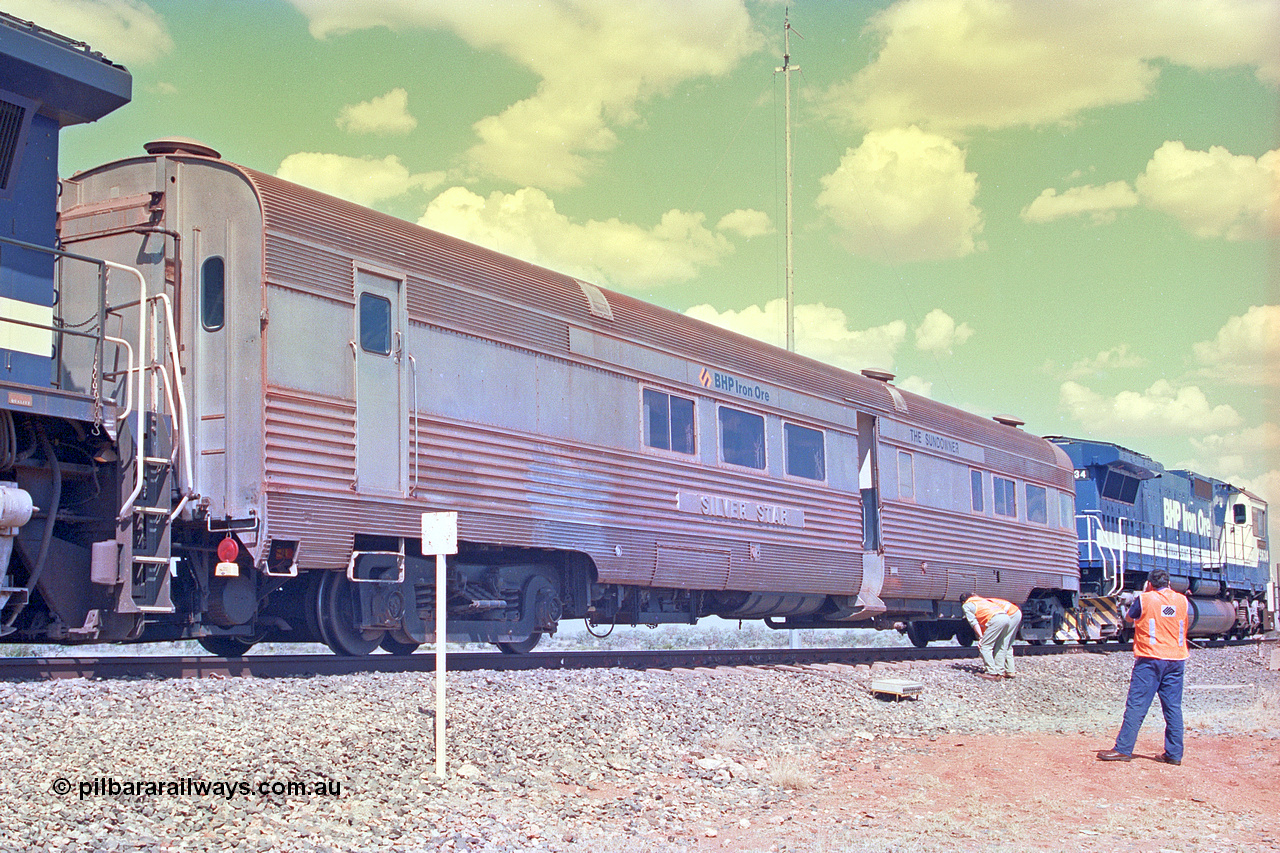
1068, 211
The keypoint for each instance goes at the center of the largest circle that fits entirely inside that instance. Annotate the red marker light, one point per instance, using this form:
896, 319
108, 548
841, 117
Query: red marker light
228, 550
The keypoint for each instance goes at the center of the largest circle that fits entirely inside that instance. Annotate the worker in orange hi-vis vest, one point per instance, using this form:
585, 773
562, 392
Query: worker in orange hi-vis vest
996, 623
1159, 617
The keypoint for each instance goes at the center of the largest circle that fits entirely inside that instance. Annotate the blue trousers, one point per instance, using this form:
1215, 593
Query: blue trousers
1151, 677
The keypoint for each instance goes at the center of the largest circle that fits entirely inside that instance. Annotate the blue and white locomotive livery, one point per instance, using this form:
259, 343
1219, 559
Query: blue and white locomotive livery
1133, 515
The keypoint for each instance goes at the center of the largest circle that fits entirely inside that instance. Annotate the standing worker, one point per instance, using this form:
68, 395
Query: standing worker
995, 622
1159, 617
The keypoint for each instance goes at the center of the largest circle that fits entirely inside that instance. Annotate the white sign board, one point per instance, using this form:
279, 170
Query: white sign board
439, 533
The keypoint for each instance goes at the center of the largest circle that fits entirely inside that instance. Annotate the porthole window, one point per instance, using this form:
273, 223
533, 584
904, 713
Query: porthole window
375, 324
213, 294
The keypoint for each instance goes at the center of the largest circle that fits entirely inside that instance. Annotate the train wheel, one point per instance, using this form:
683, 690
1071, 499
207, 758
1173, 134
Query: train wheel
398, 643
917, 634
336, 615
523, 646
226, 647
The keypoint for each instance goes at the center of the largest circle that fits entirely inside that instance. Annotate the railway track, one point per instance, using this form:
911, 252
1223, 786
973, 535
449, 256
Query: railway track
303, 666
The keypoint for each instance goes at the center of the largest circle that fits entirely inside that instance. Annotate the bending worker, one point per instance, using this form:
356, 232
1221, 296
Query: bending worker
995, 622
1159, 617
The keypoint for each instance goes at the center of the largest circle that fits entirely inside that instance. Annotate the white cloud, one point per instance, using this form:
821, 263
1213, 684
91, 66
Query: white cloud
527, 225
1100, 203
387, 114
950, 65
1105, 362
1212, 194
1161, 409
597, 61
1215, 193
822, 333
939, 334
1246, 350
916, 385
1251, 442
904, 195
127, 32
363, 180
746, 223
1248, 458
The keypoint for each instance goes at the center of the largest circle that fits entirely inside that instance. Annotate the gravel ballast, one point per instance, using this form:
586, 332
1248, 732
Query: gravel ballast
577, 760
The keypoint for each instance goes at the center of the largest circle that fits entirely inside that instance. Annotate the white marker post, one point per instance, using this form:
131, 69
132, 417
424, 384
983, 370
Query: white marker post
440, 537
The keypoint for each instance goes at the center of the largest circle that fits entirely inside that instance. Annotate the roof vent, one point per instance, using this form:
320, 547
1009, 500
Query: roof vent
1008, 420
180, 145
878, 375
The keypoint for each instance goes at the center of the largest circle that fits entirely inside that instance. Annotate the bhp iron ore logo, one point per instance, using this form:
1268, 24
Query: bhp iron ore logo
732, 385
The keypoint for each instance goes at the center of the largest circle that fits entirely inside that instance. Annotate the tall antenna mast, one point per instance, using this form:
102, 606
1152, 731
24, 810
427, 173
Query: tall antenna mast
785, 70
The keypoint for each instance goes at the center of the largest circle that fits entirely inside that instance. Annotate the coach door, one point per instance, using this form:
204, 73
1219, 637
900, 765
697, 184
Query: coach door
380, 412
868, 481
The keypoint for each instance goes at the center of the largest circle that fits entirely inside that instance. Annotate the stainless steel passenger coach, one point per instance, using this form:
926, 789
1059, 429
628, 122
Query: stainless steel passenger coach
310, 376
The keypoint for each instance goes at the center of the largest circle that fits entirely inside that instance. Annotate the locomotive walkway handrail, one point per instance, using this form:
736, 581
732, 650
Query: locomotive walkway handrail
95, 382
140, 398
182, 413
1094, 529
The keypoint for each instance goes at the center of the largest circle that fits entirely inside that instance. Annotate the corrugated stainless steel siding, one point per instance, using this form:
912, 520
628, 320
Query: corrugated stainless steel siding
549, 488
453, 307
310, 441
924, 545
312, 269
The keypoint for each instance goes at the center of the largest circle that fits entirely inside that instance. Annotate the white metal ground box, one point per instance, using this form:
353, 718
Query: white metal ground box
900, 688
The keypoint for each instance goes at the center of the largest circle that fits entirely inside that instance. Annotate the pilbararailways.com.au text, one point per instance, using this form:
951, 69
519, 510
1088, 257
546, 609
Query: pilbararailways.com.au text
227, 789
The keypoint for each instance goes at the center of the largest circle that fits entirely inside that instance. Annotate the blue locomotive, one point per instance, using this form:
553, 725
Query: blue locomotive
1133, 516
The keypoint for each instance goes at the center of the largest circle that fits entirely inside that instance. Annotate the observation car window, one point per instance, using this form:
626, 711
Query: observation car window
1037, 504
1068, 518
906, 475
975, 488
213, 294
1240, 514
806, 452
668, 422
375, 324
1006, 497
741, 438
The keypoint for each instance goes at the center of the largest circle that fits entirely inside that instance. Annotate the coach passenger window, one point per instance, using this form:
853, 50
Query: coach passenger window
375, 324
668, 422
806, 452
1067, 520
1006, 496
213, 294
741, 438
1037, 504
975, 489
906, 475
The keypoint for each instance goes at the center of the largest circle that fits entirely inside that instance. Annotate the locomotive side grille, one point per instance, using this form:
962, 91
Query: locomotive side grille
12, 117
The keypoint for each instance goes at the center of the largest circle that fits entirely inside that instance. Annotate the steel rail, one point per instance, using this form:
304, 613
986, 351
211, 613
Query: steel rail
306, 666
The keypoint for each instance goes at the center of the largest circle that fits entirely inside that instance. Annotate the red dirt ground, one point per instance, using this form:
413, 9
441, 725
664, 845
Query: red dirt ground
1026, 792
